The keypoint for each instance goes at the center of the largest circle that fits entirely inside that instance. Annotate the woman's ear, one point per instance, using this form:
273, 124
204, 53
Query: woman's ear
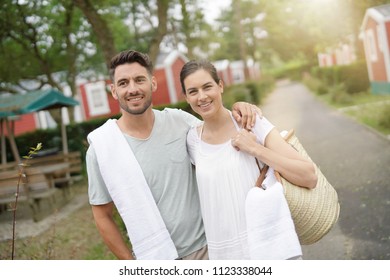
221, 85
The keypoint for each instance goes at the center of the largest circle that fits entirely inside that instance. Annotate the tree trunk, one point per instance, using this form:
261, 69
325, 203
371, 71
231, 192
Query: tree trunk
100, 28
161, 31
72, 55
237, 20
189, 42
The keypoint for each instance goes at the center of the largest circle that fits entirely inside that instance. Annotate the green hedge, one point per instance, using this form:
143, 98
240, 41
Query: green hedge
293, 71
252, 91
354, 76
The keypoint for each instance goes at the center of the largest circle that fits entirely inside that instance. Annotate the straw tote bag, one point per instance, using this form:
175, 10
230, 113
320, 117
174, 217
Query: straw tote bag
314, 211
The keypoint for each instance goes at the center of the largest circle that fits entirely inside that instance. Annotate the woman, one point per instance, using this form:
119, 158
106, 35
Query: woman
224, 155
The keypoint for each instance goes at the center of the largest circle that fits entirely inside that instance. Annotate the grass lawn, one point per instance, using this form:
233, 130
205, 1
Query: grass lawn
371, 110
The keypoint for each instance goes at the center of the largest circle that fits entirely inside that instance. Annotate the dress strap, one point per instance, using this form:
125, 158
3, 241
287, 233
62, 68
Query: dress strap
234, 121
201, 132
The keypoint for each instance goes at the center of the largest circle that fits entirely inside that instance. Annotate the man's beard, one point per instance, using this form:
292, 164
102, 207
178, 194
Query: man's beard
136, 111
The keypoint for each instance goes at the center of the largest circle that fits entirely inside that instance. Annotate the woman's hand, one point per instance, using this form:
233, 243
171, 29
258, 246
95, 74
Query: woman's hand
245, 114
245, 141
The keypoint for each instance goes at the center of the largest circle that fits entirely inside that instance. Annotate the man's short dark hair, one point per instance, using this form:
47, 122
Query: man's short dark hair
130, 56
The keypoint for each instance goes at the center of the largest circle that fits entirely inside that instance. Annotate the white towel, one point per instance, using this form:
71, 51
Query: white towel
131, 194
271, 231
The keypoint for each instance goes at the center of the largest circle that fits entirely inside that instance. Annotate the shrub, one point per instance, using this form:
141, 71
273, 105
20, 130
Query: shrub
353, 76
292, 71
314, 84
234, 94
384, 117
251, 91
339, 95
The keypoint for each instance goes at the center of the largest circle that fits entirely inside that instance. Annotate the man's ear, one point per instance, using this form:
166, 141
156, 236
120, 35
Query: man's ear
185, 96
154, 83
113, 92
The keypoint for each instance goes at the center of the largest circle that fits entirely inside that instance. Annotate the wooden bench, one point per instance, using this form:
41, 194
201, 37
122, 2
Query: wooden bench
69, 176
33, 188
8, 166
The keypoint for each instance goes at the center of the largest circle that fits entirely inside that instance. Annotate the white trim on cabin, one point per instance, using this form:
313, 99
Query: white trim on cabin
167, 66
171, 84
97, 98
382, 39
384, 47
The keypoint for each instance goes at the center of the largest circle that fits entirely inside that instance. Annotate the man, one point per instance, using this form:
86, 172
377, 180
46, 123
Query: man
139, 163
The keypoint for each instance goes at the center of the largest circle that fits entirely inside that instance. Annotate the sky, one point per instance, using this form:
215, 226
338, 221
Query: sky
212, 8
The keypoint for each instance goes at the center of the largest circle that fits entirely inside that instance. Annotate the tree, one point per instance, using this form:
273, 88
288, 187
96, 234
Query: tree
303, 28
45, 37
161, 31
139, 11
46, 42
99, 27
188, 31
240, 31
238, 28
27, 45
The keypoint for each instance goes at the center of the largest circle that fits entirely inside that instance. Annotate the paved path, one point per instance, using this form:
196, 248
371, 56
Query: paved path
354, 158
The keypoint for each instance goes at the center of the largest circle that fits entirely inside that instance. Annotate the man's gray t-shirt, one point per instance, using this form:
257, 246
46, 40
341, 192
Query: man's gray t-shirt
170, 175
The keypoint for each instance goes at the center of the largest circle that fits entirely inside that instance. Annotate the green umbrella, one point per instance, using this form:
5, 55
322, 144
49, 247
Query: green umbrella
34, 101
24, 103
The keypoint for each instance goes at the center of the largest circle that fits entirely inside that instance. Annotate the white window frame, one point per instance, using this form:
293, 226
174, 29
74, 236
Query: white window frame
97, 98
372, 46
238, 76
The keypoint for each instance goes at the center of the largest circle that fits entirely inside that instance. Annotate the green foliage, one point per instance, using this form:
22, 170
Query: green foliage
251, 91
384, 118
182, 105
327, 75
99, 252
353, 76
50, 138
293, 71
33, 151
339, 95
298, 27
372, 110
40, 38
315, 84
235, 93
336, 93
49, 36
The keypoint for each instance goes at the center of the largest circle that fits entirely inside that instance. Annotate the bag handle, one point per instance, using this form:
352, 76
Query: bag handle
261, 177
265, 168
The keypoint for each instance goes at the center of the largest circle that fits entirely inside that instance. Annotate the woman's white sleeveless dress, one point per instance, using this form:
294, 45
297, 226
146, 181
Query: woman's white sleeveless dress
224, 177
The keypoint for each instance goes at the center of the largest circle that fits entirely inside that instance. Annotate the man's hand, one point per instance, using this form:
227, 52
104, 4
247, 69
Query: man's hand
245, 114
